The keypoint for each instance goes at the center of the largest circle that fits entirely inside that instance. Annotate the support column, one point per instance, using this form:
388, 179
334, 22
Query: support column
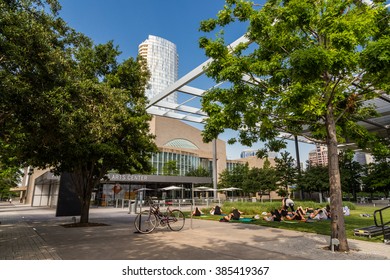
298, 162
215, 172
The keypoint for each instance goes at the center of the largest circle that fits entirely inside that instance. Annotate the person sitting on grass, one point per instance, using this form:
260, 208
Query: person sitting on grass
197, 212
234, 215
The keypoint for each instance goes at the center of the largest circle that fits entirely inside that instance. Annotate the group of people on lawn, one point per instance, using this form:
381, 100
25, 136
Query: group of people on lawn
300, 214
234, 215
286, 213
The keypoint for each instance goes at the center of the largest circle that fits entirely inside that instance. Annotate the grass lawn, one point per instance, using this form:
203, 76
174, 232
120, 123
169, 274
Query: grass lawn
352, 222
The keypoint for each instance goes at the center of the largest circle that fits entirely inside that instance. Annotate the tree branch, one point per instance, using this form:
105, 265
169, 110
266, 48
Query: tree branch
333, 92
286, 51
259, 82
346, 107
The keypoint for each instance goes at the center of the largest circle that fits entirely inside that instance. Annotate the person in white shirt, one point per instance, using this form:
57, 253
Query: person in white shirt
319, 214
288, 202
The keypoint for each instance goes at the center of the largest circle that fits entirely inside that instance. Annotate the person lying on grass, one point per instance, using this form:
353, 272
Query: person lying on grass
216, 210
298, 215
234, 215
277, 215
319, 214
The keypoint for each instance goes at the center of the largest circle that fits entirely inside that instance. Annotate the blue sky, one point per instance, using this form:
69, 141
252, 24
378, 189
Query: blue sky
129, 22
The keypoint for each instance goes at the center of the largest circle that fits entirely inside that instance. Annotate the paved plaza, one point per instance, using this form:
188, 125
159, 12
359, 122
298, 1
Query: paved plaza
34, 233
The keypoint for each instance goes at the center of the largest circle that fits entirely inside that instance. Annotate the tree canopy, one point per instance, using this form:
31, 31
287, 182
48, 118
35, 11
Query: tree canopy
9, 178
262, 180
67, 103
315, 179
286, 172
308, 66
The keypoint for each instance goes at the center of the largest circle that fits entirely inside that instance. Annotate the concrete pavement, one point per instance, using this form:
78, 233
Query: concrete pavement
34, 233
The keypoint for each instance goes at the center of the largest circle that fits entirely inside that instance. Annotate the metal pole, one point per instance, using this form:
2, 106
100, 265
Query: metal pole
298, 162
215, 167
193, 202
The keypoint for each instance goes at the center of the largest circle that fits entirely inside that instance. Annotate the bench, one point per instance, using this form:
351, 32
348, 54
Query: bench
370, 231
381, 202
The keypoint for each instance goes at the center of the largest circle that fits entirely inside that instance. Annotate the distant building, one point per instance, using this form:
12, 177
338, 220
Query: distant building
163, 62
319, 156
253, 161
253, 153
363, 158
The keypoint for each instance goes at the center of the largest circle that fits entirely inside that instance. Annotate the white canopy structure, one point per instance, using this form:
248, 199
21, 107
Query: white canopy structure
156, 106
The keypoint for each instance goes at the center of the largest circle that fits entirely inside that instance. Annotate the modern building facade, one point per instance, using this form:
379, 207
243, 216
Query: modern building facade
183, 143
178, 143
163, 62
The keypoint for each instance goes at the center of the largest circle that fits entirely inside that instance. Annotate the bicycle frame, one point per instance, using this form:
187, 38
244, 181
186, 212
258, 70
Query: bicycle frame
162, 218
174, 219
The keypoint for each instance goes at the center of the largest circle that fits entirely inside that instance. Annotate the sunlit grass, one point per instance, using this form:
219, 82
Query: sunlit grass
354, 221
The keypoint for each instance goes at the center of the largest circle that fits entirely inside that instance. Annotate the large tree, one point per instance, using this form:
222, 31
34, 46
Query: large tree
376, 176
308, 65
350, 173
235, 177
68, 104
262, 180
199, 172
315, 179
286, 172
9, 178
33, 62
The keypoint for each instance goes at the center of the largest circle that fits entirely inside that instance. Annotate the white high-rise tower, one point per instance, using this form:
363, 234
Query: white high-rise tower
162, 60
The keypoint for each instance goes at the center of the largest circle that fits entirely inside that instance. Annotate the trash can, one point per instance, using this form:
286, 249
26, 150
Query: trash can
132, 206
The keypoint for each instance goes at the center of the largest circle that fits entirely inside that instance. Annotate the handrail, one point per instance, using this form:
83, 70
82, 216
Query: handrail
382, 223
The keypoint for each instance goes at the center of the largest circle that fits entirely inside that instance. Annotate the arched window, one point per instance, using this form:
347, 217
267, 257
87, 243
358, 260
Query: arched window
181, 144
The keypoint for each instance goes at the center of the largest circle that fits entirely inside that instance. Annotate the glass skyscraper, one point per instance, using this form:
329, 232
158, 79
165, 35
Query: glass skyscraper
162, 60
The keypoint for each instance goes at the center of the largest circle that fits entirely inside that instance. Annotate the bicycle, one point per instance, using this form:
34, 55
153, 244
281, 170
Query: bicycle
148, 220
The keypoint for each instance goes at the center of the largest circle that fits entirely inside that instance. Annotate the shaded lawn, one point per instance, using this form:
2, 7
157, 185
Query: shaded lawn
354, 221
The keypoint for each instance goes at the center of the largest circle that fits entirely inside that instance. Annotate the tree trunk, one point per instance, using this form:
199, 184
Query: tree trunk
336, 206
84, 186
85, 203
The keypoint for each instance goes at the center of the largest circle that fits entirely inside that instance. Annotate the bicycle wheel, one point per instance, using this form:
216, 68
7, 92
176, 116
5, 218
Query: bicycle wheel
145, 222
176, 220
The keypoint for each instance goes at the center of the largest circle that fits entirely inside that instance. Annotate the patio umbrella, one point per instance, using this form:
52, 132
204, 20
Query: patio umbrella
203, 189
231, 189
173, 188
170, 188
143, 189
